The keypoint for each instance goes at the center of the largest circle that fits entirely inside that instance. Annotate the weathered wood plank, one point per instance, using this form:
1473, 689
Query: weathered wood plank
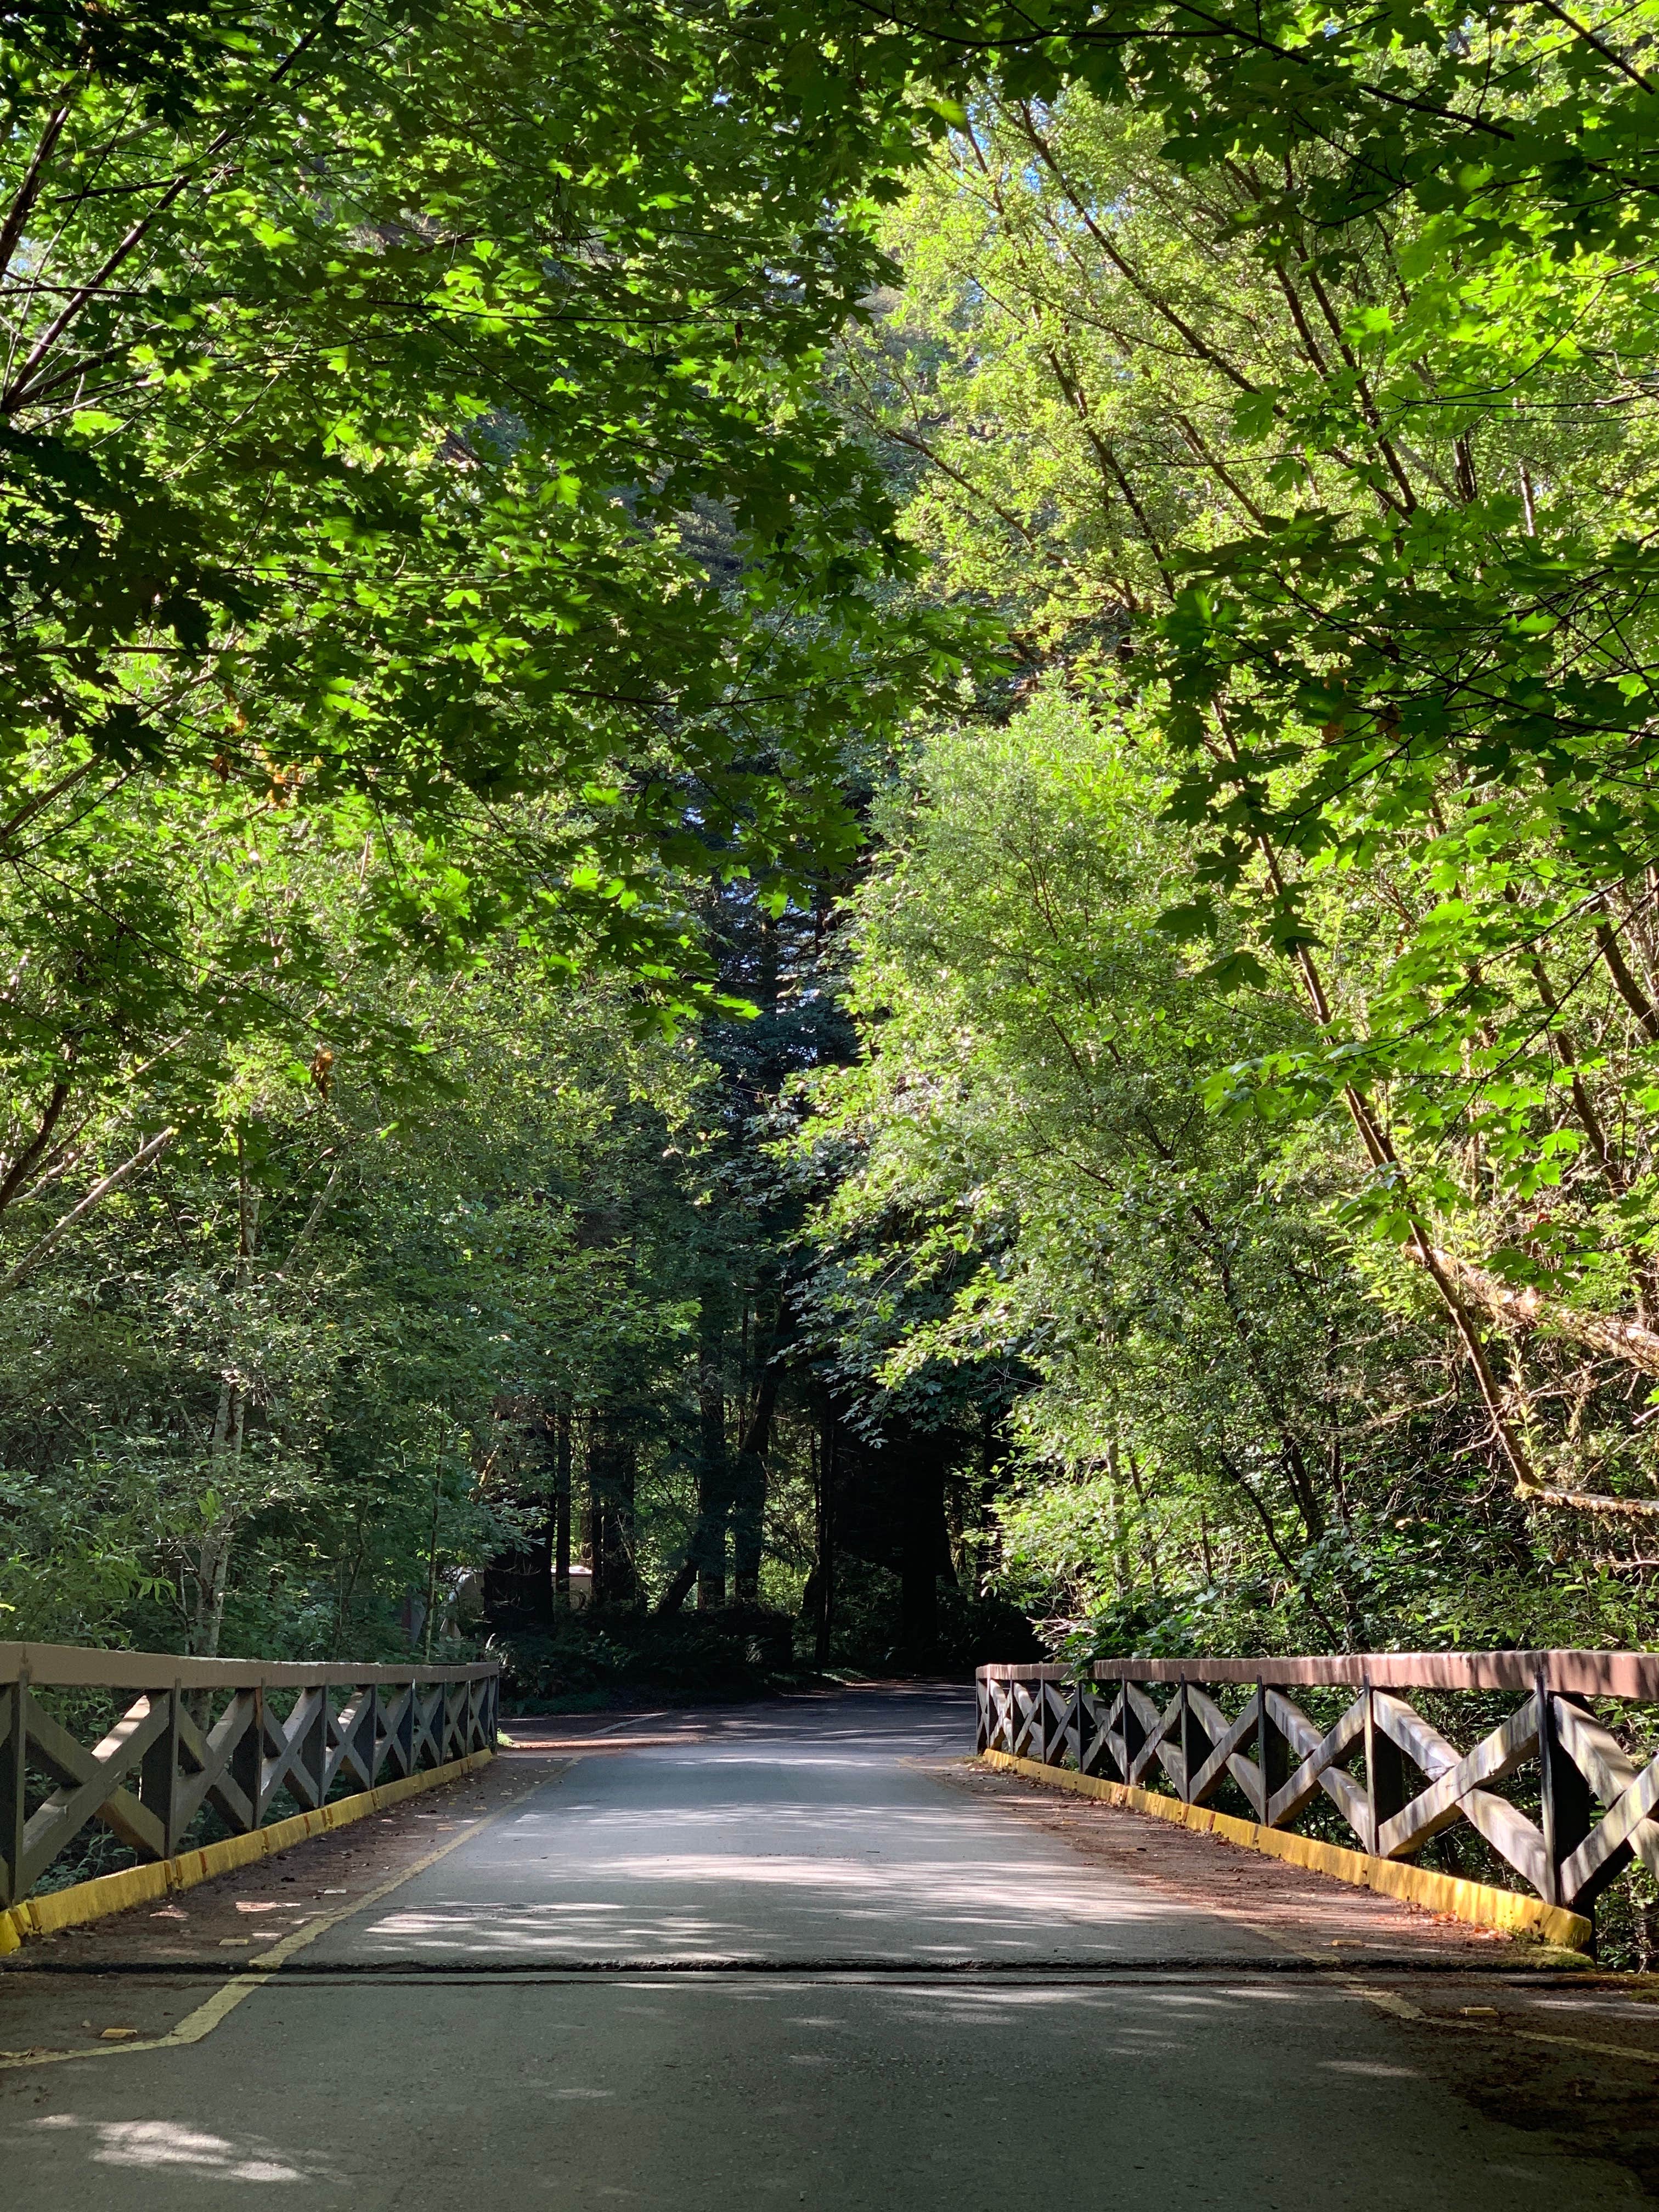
65, 1666
216, 1757
1158, 1725
14, 1768
1496, 1756
1226, 1736
351, 1746
1510, 1832
1604, 1853
1100, 1746
1616, 1831
1319, 1769
293, 1754
1630, 1675
91, 1786
1292, 1724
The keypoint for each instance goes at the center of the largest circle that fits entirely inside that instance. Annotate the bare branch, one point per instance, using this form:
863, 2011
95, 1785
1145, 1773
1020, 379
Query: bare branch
1528, 1308
150, 1149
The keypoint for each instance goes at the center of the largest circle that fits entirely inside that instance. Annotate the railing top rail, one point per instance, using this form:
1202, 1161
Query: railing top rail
1581, 1673
72, 1666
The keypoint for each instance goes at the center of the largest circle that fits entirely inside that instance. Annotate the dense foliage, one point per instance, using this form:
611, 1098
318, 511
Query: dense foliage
501, 502
428, 570
1284, 380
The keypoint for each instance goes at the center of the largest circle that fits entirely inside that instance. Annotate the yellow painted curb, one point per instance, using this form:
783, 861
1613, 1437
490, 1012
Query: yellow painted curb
1474, 1901
142, 1884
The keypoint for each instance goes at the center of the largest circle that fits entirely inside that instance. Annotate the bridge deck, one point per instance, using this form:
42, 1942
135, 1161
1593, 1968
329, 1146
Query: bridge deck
796, 1954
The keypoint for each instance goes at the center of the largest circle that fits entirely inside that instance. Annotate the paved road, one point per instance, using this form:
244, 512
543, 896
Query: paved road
723, 1968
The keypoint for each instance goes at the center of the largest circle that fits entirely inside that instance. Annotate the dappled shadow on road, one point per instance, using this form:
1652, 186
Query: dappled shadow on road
167, 2148
800, 1830
719, 2093
929, 1893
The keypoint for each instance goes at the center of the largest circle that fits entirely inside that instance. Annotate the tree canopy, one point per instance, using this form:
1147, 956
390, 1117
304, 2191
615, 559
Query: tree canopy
846, 813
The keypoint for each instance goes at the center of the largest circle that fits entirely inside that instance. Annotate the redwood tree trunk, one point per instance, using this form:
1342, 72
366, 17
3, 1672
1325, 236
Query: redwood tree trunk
824, 1607
561, 1507
749, 1494
704, 1564
707, 1556
927, 1543
611, 1472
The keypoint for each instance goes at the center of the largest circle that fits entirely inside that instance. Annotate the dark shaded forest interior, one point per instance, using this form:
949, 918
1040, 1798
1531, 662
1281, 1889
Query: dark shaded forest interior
739, 1517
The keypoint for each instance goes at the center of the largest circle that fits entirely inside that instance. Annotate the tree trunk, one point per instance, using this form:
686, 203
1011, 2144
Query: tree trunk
749, 1493
704, 1564
561, 1507
824, 1595
925, 1538
212, 1582
611, 1468
707, 1556
225, 1448
1121, 1574
431, 1619
592, 1556
521, 1580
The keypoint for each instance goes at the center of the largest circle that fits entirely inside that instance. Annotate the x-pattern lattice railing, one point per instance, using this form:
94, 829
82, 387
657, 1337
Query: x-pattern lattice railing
1594, 1803
232, 1734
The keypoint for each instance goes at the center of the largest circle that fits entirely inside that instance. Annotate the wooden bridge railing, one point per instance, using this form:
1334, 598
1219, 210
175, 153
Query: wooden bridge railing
1594, 1802
234, 1734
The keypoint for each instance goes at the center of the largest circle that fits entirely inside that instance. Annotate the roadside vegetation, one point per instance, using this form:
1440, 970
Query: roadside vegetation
828, 839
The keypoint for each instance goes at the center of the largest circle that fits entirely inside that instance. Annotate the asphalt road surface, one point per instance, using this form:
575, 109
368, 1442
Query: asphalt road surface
793, 1956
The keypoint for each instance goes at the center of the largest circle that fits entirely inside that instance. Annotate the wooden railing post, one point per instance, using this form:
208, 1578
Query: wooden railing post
1194, 1741
1273, 1753
14, 1767
314, 1755
1132, 1735
1019, 1725
1566, 1806
1385, 1774
158, 1774
1093, 1750
245, 1765
1111, 1744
